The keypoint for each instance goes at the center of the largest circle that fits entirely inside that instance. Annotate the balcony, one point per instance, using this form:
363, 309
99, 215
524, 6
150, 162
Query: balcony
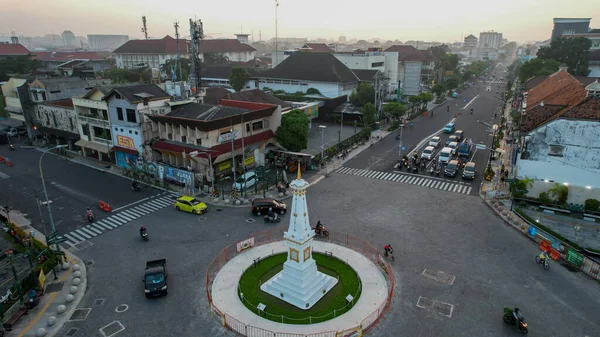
95, 121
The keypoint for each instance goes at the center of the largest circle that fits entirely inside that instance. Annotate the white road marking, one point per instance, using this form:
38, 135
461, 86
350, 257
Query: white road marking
469, 190
83, 234
74, 238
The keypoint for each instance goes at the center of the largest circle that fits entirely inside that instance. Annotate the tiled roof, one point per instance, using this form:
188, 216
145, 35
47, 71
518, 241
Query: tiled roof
536, 80
318, 47
131, 93
589, 109
559, 88
205, 112
8, 49
365, 75
66, 103
224, 46
257, 96
318, 67
215, 94
72, 64
221, 71
407, 53
470, 37
166, 45
64, 56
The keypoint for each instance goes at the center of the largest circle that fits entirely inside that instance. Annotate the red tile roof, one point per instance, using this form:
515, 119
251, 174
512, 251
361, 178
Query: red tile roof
588, 109
252, 106
64, 56
224, 46
67, 103
217, 150
407, 53
318, 47
7, 49
166, 45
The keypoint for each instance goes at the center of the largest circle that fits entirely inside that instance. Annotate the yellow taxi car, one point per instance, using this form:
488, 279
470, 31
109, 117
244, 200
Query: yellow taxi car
190, 204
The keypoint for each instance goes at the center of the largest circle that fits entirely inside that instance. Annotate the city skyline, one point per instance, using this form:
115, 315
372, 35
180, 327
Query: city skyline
446, 24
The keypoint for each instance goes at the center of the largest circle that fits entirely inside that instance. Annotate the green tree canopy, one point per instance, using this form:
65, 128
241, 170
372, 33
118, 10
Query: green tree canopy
369, 111
449, 62
171, 64
22, 65
293, 131
426, 97
238, 78
452, 82
439, 90
537, 67
571, 51
394, 111
119, 76
363, 94
313, 91
211, 59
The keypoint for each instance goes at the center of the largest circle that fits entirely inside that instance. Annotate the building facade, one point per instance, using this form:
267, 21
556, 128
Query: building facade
363, 60
57, 121
98, 42
93, 124
235, 50
490, 40
68, 38
128, 111
470, 42
569, 26
151, 53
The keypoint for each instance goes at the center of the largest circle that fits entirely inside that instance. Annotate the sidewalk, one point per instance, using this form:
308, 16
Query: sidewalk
61, 297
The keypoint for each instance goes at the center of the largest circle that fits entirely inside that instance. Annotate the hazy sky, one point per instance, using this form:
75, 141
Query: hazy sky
439, 20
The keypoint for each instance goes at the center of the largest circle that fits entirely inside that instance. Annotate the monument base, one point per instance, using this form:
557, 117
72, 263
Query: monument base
301, 286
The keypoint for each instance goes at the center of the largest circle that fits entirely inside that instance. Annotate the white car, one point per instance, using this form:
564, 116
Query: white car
453, 146
428, 153
435, 141
445, 155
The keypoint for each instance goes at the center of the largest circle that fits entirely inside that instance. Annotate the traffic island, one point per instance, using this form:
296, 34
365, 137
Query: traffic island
337, 301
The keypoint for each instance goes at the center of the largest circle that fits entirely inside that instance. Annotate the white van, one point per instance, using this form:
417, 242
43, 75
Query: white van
445, 155
246, 180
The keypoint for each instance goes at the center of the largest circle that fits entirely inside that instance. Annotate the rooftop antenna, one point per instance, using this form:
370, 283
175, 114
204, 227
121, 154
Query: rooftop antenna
178, 64
276, 46
144, 28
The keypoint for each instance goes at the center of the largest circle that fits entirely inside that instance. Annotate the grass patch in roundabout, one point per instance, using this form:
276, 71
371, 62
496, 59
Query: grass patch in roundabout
335, 299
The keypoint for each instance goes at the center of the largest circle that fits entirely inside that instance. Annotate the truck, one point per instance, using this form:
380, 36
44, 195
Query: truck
155, 278
465, 148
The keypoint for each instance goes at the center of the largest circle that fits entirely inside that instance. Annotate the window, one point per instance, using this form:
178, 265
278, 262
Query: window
117, 129
170, 136
376, 64
121, 129
568, 32
117, 96
248, 127
120, 114
43, 95
104, 114
596, 44
85, 129
71, 123
199, 141
54, 121
257, 125
183, 139
556, 150
135, 132
94, 112
130, 132
131, 116
55, 91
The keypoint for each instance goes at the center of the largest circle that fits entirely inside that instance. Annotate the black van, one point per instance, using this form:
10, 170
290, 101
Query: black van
260, 206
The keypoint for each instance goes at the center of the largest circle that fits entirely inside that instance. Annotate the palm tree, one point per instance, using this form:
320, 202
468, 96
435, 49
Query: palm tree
560, 193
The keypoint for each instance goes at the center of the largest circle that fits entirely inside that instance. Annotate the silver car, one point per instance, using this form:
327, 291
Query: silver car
435, 141
428, 152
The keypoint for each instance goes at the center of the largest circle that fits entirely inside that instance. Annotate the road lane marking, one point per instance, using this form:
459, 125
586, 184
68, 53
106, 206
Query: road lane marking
133, 203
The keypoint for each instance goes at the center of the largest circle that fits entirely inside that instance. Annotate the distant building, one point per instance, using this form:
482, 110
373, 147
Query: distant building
470, 42
106, 42
342, 39
570, 26
152, 52
9, 49
490, 40
68, 38
52, 60
236, 50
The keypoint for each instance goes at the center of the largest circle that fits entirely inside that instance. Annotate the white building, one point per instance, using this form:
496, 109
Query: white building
152, 53
57, 119
363, 60
236, 50
594, 63
561, 123
93, 123
408, 63
490, 40
68, 38
98, 42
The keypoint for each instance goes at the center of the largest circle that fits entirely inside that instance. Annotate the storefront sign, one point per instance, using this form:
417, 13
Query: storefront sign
574, 257
126, 142
224, 166
182, 176
249, 160
226, 137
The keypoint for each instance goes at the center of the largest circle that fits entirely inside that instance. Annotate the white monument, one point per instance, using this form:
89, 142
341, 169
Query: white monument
299, 283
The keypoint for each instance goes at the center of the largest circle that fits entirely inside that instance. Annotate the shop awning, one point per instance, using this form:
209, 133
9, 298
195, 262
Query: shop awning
92, 145
124, 150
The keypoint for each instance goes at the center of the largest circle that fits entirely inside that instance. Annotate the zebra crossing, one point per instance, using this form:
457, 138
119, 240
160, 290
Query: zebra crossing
118, 219
437, 183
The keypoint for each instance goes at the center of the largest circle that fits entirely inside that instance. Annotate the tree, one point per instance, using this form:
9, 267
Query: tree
211, 59
313, 91
560, 193
171, 65
238, 78
571, 51
394, 111
414, 102
452, 82
118, 76
22, 65
293, 131
449, 62
426, 97
537, 67
369, 111
439, 90
363, 94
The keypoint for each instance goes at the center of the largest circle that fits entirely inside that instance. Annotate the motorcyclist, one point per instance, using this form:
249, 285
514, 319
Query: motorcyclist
471, 111
135, 184
271, 214
388, 249
319, 227
88, 212
517, 314
142, 230
543, 257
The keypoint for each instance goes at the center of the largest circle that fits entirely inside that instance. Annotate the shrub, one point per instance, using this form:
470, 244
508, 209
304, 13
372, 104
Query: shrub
545, 198
592, 205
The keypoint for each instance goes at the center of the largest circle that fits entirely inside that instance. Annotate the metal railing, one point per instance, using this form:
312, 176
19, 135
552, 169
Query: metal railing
275, 235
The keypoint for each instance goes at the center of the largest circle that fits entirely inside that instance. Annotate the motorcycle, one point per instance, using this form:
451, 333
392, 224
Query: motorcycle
269, 219
389, 254
11, 147
321, 231
543, 262
144, 235
90, 216
509, 318
136, 187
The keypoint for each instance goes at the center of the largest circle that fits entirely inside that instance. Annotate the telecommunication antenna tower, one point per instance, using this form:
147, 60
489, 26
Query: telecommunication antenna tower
144, 28
178, 64
196, 36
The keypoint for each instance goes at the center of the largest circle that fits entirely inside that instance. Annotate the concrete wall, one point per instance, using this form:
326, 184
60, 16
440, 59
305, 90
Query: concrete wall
411, 84
57, 117
363, 61
577, 194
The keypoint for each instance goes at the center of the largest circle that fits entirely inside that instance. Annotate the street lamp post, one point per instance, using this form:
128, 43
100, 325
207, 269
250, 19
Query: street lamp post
323, 127
400, 145
54, 234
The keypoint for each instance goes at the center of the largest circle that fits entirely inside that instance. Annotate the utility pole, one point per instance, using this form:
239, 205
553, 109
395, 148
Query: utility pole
144, 27
276, 45
377, 95
176, 25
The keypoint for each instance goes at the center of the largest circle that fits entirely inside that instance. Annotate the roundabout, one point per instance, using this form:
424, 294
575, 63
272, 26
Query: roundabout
224, 274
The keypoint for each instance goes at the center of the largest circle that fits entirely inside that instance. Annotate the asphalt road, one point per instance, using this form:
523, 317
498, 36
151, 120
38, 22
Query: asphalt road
493, 266
71, 189
484, 103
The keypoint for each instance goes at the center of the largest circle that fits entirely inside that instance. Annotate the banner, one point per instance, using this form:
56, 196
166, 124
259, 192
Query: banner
242, 245
574, 257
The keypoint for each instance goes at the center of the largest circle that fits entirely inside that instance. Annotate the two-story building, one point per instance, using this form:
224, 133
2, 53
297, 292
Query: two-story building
53, 59
303, 70
57, 121
16, 95
561, 143
215, 134
151, 53
235, 50
93, 124
409, 68
131, 130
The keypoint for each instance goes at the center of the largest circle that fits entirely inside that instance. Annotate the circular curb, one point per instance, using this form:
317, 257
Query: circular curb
61, 308
69, 298
51, 320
